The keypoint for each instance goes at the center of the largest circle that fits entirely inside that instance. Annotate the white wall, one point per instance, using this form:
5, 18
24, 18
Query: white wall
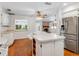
71, 10
59, 20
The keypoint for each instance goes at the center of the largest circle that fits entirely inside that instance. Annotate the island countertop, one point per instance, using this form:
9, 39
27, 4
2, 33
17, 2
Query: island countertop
45, 37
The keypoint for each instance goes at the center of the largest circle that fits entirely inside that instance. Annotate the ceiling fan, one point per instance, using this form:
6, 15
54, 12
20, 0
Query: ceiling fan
40, 15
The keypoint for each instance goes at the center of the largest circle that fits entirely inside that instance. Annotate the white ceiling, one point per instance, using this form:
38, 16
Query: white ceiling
29, 8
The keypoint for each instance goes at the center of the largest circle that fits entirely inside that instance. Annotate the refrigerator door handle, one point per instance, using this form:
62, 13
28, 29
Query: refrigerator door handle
67, 24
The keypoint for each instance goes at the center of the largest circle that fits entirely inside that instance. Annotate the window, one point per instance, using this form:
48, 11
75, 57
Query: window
21, 25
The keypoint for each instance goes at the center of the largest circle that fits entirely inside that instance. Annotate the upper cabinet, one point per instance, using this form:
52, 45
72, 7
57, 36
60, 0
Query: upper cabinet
5, 19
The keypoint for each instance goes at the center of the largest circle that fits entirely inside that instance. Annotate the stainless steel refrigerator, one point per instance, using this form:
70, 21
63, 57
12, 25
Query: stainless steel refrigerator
71, 32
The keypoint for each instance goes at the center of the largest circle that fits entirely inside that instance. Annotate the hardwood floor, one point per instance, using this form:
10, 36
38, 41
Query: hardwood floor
21, 47
24, 47
69, 53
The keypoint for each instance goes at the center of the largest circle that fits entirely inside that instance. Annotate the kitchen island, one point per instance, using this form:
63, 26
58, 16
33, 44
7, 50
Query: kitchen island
49, 44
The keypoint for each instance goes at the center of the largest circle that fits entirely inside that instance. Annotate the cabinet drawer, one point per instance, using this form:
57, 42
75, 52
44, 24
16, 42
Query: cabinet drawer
71, 37
70, 44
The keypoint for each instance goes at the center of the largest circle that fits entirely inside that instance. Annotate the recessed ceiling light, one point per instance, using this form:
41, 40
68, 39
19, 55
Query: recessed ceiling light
65, 4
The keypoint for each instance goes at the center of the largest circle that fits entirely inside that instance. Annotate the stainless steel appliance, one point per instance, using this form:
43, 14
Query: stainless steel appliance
71, 32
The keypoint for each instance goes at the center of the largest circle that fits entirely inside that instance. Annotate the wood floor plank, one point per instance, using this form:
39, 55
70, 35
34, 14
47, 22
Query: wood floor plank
21, 47
69, 53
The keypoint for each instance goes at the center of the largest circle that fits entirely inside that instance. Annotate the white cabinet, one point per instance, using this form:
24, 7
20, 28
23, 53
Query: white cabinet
59, 48
5, 19
49, 44
47, 49
50, 48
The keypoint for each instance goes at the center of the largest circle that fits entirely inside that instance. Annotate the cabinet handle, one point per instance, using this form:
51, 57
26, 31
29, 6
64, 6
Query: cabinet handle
0, 45
1, 15
41, 45
0, 52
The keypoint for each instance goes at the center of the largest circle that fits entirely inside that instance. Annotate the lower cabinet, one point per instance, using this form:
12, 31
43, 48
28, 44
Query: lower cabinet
59, 48
51, 48
47, 49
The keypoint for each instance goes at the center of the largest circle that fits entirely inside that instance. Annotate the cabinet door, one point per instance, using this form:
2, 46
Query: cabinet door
38, 49
59, 48
5, 19
48, 49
